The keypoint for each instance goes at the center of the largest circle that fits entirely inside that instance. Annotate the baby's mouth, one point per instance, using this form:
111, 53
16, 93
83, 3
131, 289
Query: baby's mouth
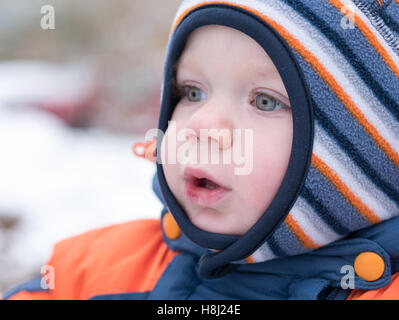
205, 183
202, 179
202, 189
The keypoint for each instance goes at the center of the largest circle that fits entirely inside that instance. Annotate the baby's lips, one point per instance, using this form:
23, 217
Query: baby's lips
197, 174
146, 150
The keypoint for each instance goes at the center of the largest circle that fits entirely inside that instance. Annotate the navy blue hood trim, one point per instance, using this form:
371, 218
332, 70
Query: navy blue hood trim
238, 247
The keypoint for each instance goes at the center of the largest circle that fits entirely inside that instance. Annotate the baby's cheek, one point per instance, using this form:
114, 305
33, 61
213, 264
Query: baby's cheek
169, 163
264, 181
171, 142
271, 157
166, 146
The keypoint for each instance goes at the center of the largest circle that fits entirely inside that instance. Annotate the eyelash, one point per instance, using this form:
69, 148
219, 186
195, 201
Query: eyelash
181, 92
281, 105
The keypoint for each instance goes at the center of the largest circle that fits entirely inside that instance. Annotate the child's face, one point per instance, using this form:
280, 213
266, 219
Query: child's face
228, 82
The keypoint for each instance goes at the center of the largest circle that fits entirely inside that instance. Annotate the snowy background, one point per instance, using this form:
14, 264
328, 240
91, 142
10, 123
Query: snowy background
73, 101
56, 183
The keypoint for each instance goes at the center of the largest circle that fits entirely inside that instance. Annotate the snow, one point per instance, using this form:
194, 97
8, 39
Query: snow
61, 182
37, 82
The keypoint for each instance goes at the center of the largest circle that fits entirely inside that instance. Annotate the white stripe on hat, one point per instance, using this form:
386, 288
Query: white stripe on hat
348, 172
263, 253
309, 221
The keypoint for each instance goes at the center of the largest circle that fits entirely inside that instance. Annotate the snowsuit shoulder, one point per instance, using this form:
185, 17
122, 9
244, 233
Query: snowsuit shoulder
130, 260
128, 257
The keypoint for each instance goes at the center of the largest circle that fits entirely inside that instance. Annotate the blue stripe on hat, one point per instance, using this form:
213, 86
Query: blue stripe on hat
334, 202
364, 70
351, 151
287, 242
390, 22
344, 122
354, 38
323, 212
391, 13
274, 247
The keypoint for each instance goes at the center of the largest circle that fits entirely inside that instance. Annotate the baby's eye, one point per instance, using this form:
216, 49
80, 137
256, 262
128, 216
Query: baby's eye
193, 94
265, 102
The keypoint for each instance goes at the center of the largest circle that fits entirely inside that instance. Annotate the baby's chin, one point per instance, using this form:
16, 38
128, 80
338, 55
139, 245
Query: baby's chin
215, 221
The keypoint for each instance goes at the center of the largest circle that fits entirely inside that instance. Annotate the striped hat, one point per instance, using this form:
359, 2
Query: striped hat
339, 61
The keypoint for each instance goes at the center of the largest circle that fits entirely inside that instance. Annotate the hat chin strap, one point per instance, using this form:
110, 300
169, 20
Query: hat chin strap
211, 265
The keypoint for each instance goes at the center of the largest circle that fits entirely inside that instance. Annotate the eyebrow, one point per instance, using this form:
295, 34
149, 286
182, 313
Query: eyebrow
185, 66
192, 64
263, 72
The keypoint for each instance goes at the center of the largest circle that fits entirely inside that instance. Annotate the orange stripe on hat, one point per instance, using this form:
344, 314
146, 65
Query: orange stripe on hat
338, 90
344, 190
323, 73
300, 233
372, 39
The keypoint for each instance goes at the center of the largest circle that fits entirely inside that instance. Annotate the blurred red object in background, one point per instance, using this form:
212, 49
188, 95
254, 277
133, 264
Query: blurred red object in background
69, 92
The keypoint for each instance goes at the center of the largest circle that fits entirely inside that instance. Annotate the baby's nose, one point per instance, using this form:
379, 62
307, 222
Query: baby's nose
222, 137
214, 125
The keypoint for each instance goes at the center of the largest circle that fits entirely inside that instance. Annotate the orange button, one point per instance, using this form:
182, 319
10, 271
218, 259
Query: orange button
369, 266
170, 227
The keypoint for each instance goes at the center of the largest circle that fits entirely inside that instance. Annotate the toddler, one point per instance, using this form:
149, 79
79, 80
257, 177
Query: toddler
277, 162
